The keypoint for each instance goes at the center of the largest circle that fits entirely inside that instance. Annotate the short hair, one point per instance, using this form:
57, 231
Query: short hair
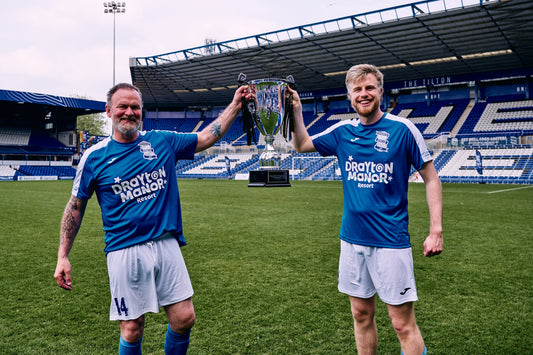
358, 72
119, 86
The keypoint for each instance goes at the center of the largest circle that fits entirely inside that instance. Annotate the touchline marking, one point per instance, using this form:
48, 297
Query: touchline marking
516, 188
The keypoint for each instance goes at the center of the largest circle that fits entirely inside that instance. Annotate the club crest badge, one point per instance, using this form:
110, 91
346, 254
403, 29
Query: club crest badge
382, 141
147, 150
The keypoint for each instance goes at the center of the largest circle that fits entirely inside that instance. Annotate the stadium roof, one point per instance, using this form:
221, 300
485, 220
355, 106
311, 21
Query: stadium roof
426, 39
27, 105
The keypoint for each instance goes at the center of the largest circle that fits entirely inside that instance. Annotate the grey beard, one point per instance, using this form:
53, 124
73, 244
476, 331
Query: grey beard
127, 132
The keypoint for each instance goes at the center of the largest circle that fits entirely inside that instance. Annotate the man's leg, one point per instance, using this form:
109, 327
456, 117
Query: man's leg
404, 323
181, 318
365, 330
131, 335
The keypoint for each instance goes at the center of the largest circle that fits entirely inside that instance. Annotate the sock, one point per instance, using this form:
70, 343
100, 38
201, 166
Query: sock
125, 348
424, 353
176, 344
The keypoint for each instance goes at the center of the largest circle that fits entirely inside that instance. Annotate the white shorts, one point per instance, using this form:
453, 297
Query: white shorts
365, 270
145, 277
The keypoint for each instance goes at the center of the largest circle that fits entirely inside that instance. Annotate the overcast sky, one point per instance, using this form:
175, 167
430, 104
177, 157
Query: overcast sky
65, 47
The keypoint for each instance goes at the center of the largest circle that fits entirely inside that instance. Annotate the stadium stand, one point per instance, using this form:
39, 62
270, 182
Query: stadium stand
500, 166
171, 121
15, 136
7, 173
440, 117
495, 127
38, 134
505, 161
500, 115
479, 99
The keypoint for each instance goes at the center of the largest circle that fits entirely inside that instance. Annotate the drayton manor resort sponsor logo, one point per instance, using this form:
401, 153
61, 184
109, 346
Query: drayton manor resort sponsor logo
141, 187
368, 173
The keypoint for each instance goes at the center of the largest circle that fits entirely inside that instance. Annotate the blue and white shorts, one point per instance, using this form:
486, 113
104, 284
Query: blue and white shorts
365, 271
145, 277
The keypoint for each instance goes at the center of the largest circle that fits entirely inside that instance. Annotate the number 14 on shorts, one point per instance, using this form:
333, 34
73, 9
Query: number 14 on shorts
121, 306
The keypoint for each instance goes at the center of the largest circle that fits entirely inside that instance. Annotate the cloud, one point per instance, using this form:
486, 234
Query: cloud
65, 47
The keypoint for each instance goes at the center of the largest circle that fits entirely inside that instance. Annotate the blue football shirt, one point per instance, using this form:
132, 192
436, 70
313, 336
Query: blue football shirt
375, 161
136, 186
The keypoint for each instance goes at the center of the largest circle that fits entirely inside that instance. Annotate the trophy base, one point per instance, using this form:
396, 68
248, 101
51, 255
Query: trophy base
269, 178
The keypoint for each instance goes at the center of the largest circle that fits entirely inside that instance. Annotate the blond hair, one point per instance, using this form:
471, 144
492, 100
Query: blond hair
360, 71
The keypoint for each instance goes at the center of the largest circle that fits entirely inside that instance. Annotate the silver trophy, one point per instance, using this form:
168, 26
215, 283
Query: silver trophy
269, 114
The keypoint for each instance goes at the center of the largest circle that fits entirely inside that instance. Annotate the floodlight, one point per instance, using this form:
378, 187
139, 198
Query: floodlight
112, 7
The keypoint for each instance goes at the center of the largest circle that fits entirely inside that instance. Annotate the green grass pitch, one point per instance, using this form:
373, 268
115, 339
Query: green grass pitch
263, 262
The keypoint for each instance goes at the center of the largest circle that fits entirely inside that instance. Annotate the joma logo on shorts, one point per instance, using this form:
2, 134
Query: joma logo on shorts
405, 291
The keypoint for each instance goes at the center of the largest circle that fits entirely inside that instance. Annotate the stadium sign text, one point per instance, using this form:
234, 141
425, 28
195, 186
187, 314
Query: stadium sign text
427, 82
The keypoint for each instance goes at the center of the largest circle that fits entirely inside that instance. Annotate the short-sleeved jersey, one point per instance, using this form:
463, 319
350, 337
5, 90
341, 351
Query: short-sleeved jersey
136, 186
375, 161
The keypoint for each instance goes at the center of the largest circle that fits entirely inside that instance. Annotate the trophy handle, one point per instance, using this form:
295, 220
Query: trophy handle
291, 82
241, 79
248, 121
287, 123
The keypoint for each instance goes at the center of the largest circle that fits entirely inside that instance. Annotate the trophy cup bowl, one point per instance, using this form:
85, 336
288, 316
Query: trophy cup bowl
268, 113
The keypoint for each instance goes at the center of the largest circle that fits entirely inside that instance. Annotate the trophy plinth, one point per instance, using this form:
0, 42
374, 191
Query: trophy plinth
269, 178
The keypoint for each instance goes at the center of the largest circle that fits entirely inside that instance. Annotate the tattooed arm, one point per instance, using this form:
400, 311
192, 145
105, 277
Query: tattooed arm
70, 224
216, 130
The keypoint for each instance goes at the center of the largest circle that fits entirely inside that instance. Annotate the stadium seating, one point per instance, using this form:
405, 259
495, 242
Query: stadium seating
59, 172
509, 163
440, 117
500, 166
7, 173
499, 117
14, 136
493, 126
17, 144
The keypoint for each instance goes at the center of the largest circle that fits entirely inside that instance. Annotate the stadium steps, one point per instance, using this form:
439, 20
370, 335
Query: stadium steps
462, 119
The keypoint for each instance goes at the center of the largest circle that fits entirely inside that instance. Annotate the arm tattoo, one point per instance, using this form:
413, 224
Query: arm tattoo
215, 129
70, 224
